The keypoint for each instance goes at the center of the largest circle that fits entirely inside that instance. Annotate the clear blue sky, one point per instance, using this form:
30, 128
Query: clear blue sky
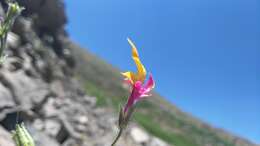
204, 54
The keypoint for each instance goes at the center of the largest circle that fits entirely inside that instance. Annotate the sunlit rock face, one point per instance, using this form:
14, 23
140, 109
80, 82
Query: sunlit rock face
37, 86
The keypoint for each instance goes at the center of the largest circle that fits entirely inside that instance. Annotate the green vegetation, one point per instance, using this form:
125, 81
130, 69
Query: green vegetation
22, 137
156, 130
156, 115
93, 91
6, 25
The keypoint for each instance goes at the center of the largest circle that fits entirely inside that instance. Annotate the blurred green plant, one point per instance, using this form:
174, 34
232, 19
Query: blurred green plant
22, 137
6, 24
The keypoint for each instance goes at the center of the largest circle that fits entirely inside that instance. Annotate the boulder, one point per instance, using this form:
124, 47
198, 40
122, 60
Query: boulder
139, 135
5, 98
5, 138
157, 142
52, 127
25, 90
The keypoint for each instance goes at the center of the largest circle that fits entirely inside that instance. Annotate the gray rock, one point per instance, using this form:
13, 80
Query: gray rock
22, 26
5, 138
49, 109
139, 135
24, 88
70, 142
91, 101
41, 138
157, 142
13, 64
52, 127
5, 98
38, 124
81, 119
13, 40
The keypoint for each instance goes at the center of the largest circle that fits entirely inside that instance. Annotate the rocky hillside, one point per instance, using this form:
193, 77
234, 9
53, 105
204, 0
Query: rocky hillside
39, 86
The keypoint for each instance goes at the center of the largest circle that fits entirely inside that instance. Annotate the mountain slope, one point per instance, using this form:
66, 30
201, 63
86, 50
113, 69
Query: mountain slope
156, 115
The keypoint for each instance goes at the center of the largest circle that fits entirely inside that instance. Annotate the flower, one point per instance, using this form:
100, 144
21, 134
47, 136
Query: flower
139, 88
139, 91
131, 77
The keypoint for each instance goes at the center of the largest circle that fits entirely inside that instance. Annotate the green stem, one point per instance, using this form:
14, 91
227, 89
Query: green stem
13, 11
117, 137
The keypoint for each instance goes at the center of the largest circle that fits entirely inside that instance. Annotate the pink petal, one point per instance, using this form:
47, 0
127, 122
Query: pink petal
149, 85
135, 96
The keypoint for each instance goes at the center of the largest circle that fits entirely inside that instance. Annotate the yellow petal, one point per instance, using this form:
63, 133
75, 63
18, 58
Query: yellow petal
141, 72
129, 76
134, 50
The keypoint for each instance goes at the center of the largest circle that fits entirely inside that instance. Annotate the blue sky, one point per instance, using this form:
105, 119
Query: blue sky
204, 55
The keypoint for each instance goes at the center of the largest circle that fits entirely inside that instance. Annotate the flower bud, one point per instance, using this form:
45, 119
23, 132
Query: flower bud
125, 116
22, 137
14, 9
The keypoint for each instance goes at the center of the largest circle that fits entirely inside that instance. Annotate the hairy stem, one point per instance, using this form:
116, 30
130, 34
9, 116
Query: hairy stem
117, 137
